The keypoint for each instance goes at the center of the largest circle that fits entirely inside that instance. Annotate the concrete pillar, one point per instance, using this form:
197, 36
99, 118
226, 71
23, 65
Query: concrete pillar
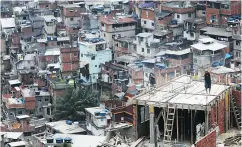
152, 127
206, 121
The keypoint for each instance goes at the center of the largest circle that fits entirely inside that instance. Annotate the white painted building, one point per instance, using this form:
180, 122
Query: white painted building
181, 17
143, 44
115, 27
205, 53
98, 119
50, 24
93, 52
147, 25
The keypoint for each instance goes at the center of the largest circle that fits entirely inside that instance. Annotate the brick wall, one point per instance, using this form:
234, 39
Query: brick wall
208, 140
237, 95
75, 13
69, 66
52, 43
178, 10
134, 121
221, 116
150, 16
235, 7
40, 82
212, 115
165, 20
210, 12
49, 59
27, 30
29, 103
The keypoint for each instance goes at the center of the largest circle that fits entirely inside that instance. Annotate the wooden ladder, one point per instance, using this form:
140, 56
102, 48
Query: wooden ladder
236, 112
169, 124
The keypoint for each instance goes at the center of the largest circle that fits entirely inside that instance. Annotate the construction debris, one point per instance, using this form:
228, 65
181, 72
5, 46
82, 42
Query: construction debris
117, 141
235, 140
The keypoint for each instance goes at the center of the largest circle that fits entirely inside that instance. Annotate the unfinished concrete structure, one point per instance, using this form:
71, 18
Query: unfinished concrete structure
183, 104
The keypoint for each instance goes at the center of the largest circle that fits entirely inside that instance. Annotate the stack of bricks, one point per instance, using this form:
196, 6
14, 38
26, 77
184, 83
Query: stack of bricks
208, 140
221, 116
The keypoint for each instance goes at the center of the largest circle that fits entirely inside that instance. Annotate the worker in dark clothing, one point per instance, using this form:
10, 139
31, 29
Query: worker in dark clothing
207, 79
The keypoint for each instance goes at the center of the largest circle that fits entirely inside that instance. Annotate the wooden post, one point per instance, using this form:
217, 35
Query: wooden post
177, 126
191, 128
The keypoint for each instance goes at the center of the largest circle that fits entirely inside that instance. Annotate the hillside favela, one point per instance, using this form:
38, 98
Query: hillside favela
120, 73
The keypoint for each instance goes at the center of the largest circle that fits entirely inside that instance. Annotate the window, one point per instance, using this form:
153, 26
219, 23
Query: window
237, 54
104, 35
20, 112
204, 12
152, 24
147, 13
189, 14
135, 48
31, 112
95, 65
195, 60
237, 42
75, 54
224, 6
177, 16
47, 6
46, 99
24, 18
143, 49
81, 55
93, 58
144, 22
235, 32
148, 51
102, 24
71, 19
117, 44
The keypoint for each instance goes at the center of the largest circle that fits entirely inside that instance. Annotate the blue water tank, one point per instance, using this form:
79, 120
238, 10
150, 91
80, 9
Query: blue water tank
68, 122
59, 140
102, 113
173, 21
67, 140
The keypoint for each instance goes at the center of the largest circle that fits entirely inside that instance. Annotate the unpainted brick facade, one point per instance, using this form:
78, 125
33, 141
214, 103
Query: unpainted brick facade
69, 59
217, 115
222, 14
208, 141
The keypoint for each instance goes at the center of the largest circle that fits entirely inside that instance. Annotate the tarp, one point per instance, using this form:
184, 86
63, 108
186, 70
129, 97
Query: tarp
228, 56
147, 5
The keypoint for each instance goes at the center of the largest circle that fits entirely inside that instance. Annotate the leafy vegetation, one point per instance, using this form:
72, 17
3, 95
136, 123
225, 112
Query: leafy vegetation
73, 103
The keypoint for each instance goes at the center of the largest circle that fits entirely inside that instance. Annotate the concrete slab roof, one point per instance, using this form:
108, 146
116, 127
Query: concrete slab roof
184, 93
62, 127
216, 31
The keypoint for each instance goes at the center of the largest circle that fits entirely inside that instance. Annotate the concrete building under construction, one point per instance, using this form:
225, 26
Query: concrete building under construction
174, 110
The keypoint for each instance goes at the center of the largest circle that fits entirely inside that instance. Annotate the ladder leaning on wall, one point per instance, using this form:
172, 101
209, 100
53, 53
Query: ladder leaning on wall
169, 124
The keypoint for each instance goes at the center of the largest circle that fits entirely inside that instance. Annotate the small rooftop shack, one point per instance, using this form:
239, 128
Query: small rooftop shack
191, 105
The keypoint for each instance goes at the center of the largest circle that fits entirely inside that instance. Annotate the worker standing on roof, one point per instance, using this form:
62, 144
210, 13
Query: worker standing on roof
207, 79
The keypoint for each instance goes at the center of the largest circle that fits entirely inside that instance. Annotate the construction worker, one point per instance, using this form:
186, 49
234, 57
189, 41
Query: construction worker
207, 79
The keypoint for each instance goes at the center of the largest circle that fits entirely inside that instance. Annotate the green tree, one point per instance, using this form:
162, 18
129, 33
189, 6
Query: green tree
73, 103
